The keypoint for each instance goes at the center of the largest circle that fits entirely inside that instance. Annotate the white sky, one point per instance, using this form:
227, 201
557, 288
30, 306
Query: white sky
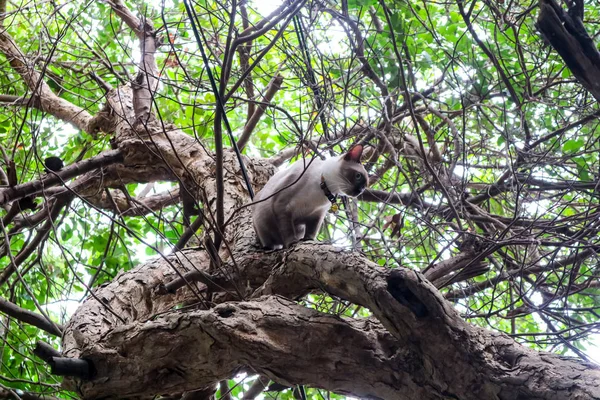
265, 7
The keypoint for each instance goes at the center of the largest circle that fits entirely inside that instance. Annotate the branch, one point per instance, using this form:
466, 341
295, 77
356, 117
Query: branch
30, 317
268, 22
228, 326
127, 16
576, 257
272, 88
40, 235
15, 100
407, 199
568, 37
79, 168
444, 268
425, 339
244, 54
6, 394
257, 388
146, 81
43, 97
134, 206
561, 130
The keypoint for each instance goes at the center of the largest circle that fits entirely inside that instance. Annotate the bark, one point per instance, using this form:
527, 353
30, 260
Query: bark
567, 35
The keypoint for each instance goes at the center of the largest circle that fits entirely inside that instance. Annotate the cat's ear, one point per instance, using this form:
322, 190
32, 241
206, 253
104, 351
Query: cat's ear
354, 153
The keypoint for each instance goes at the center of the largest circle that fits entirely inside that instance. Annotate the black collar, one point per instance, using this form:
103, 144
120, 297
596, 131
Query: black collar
330, 196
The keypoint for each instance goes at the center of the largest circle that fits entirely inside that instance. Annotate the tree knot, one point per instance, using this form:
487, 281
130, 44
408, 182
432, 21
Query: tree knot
225, 311
397, 287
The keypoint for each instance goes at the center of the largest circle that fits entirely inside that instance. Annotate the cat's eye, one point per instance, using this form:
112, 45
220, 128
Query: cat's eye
358, 176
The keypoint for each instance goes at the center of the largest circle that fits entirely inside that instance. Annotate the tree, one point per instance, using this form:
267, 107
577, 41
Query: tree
467, 270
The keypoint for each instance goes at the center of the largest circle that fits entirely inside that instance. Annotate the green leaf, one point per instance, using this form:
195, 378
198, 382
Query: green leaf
353, 4
572, 146
66, 233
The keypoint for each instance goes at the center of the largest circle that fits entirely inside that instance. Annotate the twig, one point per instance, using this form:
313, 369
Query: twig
272, 88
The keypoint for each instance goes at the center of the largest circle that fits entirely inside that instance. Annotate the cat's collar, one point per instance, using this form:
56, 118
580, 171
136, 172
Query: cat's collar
330, 196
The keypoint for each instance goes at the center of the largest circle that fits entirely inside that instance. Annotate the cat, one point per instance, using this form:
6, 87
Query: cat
296, 199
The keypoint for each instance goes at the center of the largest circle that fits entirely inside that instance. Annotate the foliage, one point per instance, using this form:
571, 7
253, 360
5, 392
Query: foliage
501, 167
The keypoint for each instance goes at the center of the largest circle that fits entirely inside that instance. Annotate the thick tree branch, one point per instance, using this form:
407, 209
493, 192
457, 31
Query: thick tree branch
246, 330
422, 324
568, 37
44, 98
71, 171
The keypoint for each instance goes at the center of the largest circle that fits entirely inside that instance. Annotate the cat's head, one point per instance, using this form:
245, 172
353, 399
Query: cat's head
352, 176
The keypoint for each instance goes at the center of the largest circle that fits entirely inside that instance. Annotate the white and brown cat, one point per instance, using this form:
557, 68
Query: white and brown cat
296, 199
